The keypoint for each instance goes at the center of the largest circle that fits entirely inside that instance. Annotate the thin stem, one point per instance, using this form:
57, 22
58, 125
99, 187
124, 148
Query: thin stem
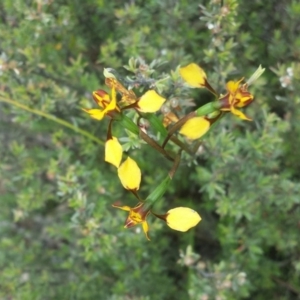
183, 146
155, 145
53, 118
175, 165
109, 133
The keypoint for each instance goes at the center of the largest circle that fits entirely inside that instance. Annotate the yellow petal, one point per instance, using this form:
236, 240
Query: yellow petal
113, 152
95, 113
193, 75
195, 128
146, 229
232, 86
182, 218
150, 102
101, 98
130, 174
113, 103
126, 208
239, 114
243, 99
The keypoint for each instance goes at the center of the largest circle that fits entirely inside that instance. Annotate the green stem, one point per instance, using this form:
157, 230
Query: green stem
52, 118
159, 191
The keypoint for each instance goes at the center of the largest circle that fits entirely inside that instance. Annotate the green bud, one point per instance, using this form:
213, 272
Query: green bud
255, 75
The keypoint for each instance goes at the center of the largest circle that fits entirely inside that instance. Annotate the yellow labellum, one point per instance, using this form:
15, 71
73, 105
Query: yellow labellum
130, 174
150, 102
113, 152
195, 128
182, 218
193, 75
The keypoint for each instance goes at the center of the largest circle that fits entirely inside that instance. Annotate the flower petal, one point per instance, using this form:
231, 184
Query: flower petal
126, 208
193, 75
150, 102
239, 114
95, 113
232, 86
195, 128
113, 103
130, 174
101, 98
146, 229
243, 99
182, 218
113, 152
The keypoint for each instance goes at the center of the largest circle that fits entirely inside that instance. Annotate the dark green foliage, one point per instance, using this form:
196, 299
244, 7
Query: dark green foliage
59, 236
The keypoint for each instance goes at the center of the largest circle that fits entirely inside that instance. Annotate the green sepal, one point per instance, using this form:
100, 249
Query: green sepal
207, 108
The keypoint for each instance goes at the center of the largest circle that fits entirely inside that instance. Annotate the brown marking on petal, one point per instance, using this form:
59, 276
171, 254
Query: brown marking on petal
129, 223
104, 98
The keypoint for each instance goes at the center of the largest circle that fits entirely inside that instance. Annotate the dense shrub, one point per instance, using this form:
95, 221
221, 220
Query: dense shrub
60, 237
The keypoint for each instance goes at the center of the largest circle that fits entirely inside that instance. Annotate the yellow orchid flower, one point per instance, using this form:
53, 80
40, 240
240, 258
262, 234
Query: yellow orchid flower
130, 174
179, 218
150, 102
195, 128
137, 215
237, 96
113, 152
103, 100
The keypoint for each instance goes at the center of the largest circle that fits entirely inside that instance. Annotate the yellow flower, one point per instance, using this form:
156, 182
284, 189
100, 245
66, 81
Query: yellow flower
113, 152
193, 75
130, 174
195, 127
179, 218
137, 215
237, 96
103, 100
150, 102
182, 218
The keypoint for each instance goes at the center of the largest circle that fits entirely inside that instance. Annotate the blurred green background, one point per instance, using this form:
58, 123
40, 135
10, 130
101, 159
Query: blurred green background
60, 237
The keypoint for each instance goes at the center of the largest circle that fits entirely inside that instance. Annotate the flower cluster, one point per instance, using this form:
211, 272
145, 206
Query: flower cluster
192, 126
237, 96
